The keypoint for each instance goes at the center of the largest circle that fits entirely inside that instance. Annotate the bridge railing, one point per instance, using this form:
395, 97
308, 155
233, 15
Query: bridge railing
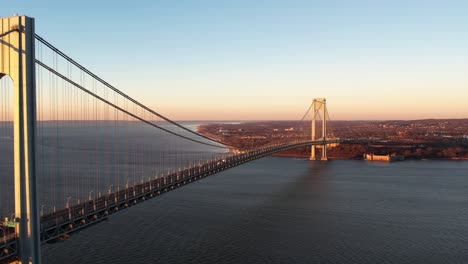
56, 225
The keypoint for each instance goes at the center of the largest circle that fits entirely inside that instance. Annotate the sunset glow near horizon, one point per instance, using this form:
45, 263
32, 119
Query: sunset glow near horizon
267, 60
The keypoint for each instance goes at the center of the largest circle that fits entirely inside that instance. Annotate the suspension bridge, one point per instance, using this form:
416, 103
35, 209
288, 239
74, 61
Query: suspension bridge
75, 149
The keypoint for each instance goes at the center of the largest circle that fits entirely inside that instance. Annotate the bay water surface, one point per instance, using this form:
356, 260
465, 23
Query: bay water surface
287, 210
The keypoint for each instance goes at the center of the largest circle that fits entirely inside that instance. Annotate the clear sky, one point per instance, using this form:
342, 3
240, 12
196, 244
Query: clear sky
237, 60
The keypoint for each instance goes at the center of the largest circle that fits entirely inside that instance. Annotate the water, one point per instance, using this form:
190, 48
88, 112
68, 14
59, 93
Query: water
80, 159
285, 210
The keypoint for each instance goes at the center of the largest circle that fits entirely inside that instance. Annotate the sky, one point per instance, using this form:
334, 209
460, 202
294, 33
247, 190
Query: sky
267, 60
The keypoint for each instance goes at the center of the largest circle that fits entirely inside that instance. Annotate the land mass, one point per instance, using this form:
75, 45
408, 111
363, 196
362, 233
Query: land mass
415, 139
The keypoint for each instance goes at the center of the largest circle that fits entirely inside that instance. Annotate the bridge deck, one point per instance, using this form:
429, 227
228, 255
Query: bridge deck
58, 225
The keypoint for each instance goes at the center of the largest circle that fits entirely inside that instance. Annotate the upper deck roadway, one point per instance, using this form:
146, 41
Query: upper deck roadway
63, 222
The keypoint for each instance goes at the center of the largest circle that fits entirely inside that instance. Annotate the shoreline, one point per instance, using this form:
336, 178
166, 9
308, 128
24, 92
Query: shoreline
199, 129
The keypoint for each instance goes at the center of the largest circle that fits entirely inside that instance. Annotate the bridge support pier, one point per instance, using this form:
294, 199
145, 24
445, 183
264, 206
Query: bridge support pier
17, 60
319, 104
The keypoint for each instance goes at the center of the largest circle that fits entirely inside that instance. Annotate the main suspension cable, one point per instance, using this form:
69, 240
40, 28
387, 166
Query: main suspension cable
63, 55
119, 108
307, 112
8, 32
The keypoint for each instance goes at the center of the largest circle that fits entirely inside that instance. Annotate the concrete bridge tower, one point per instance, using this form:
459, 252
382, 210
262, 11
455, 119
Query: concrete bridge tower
17, 60
319, 105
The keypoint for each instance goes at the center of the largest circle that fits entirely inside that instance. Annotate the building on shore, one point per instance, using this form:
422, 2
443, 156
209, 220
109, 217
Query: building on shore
393, 157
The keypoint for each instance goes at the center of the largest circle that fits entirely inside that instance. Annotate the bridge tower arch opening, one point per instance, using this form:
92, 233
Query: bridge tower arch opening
319, 106
17, 60
7, 208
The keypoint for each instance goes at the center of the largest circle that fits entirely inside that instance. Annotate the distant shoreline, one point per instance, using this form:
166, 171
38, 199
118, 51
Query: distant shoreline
248, 134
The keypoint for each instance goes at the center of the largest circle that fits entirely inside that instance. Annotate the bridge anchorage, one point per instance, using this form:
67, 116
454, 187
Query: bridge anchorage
49, 121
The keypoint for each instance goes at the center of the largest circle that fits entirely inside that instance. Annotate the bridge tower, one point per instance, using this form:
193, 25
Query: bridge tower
17, 60
319, 104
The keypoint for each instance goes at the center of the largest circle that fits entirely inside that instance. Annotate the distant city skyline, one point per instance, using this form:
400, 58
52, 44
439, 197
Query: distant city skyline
266, 60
